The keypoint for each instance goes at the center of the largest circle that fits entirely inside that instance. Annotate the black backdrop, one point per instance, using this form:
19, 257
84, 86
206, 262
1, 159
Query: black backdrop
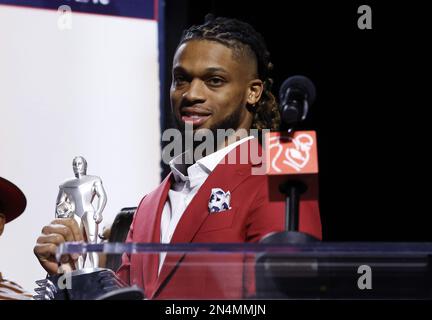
371, 109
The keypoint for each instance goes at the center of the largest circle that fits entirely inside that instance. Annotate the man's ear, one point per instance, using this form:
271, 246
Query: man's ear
2, 223
255, 91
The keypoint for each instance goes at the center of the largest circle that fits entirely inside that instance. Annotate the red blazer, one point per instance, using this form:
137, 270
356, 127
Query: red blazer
252, 216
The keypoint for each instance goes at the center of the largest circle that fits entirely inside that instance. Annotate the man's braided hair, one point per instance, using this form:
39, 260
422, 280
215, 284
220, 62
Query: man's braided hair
241, 36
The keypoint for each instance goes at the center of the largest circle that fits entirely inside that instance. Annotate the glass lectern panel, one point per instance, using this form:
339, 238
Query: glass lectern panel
267, 271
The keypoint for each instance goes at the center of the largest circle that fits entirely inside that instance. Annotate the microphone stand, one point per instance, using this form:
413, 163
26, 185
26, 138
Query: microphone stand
269, 281
292, 189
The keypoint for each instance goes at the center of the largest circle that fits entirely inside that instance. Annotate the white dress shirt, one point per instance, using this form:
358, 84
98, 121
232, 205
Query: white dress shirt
186, 185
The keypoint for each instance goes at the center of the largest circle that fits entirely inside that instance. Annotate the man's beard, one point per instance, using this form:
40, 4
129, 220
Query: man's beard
232, 121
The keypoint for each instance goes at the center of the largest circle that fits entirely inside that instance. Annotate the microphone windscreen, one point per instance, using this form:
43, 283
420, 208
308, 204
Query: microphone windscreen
301, 83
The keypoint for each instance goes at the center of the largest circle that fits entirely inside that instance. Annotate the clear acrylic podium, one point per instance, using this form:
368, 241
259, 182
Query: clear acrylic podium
305, 271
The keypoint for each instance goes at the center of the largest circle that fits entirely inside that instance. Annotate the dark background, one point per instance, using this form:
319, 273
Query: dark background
371, 110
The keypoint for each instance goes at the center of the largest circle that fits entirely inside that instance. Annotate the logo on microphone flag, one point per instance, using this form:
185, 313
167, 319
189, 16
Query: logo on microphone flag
294, 153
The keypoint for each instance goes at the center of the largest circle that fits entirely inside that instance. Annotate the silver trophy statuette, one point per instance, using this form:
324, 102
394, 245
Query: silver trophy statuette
76, 200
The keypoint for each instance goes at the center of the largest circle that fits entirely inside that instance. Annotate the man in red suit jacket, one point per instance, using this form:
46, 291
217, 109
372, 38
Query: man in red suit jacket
220, 81
251, 216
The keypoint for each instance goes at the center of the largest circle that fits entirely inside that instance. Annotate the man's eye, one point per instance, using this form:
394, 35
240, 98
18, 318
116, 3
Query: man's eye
215, 81
179, 80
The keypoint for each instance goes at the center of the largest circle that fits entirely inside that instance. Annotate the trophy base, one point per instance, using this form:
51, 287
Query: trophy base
86, 284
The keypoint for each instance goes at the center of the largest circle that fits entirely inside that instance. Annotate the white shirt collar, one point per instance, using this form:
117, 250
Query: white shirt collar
211, 161
203, 167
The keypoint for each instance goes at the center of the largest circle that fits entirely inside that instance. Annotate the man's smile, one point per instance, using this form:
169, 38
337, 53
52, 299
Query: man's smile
194, 115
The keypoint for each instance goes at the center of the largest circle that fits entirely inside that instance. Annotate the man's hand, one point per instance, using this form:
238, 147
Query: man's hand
57, 232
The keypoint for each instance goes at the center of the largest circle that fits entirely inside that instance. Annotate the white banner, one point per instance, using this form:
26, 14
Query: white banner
86, 87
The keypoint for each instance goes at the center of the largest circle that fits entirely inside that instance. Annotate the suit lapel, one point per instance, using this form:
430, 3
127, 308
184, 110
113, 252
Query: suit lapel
151, 232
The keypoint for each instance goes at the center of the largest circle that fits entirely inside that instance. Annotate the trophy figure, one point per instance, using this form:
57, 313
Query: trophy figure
75, 200
88, 282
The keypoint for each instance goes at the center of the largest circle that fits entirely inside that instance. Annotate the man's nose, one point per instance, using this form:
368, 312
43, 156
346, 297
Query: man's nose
195, 92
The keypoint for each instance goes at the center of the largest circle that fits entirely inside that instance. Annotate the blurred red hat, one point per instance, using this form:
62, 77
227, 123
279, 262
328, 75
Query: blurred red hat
12, 200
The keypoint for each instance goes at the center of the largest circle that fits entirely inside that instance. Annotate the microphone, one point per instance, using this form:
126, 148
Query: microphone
296, 95
292, 161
